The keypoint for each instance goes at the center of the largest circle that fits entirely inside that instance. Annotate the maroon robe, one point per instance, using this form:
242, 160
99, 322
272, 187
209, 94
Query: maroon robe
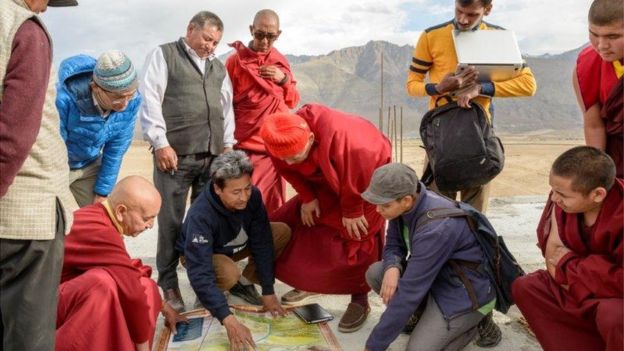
599, 84
346, 151
106, 299
588, 315
254, 98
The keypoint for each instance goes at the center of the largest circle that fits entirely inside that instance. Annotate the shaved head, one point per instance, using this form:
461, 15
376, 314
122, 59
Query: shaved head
135, 203
266, 15
134, 191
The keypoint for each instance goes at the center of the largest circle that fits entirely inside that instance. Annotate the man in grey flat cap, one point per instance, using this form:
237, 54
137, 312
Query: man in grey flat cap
415, 273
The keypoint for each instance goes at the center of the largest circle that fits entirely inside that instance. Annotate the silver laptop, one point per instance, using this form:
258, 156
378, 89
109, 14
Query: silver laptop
492, 52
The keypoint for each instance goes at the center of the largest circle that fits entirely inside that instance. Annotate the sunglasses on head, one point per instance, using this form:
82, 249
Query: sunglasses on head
262, 35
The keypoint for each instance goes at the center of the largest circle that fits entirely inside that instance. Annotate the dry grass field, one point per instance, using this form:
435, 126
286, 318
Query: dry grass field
528, 159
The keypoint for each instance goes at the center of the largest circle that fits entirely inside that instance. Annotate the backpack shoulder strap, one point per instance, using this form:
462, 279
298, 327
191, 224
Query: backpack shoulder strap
438, 213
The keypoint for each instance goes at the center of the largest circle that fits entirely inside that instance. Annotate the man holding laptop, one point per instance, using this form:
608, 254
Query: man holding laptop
434, 72
435, 57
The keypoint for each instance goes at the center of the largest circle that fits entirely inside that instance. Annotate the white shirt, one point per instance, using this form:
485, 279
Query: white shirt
153, 86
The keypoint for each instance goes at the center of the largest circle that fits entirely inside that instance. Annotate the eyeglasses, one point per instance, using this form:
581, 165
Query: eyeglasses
119, 99
258, 35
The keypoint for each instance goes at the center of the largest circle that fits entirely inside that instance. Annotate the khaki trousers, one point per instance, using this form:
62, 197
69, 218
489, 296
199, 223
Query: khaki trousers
226, 269
82, 181
477, 197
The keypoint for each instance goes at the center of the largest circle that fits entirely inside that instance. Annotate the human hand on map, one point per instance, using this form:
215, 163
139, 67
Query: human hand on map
389, 284
308, 211
172, 317
238, 334
270, 304
355, 225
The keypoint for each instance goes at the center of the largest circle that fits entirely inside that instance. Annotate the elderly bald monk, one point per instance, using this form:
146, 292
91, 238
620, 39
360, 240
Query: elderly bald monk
107, 300
263, 84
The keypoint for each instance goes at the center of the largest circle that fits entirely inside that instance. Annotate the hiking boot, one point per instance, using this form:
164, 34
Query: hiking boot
411, 324
489, 333
297, 296
354, 317
247, 293
174, 299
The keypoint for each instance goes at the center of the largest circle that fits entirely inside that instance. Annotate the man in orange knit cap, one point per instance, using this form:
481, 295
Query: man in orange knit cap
328, 156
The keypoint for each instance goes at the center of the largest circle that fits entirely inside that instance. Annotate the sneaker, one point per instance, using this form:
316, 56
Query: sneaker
354, 317
174, 299
247, 293
297, 296
489, 333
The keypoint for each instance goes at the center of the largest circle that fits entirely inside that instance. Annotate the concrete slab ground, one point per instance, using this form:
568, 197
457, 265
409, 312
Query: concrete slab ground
515, 218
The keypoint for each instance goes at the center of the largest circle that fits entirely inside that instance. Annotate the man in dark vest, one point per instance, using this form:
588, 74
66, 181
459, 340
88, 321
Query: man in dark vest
187, 118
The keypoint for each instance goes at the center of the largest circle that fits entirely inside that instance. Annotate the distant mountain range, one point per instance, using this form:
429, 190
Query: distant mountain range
349, 79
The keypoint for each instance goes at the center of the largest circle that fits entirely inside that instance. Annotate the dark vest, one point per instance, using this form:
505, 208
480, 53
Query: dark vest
192, 104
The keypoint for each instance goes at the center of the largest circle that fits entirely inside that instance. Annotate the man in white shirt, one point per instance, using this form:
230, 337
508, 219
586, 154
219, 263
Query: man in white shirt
187, 117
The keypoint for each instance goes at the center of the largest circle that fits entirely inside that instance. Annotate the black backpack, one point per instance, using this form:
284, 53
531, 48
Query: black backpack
462, 149
501, 266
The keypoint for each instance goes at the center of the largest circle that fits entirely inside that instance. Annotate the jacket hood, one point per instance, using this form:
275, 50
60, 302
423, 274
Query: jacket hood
76, 65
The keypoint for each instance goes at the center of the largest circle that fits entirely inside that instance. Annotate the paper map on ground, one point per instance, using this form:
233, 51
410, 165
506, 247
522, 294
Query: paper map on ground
287, 333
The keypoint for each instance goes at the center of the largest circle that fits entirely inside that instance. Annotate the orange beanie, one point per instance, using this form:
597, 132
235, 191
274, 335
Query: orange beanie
284, 134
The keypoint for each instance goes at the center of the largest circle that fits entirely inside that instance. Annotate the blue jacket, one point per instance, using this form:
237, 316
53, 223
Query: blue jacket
426, 269
209, 228
87, 134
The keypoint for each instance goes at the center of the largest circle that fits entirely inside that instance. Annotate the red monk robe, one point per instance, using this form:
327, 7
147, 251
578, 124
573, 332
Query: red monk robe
324, 258
106, 300
588, 315
598, 83
254, 98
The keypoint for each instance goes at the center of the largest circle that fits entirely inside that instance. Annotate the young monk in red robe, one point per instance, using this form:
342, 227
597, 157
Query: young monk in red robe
576, 304
328, 156
263, 84
107, 300
598, 81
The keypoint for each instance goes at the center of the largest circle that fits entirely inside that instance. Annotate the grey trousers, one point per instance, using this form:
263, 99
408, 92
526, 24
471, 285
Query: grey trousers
193, 173
82, 181
433, 332
30, 271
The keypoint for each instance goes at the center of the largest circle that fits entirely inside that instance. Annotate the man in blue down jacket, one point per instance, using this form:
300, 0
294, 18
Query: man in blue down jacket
97, 103
417, 271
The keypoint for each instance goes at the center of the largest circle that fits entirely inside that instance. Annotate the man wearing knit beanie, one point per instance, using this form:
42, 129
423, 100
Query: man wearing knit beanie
98, 103
328, 156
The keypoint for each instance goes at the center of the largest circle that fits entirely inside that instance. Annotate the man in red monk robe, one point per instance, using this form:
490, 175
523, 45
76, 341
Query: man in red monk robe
576, 303
263, 84
598, 81
107, 300
328, 156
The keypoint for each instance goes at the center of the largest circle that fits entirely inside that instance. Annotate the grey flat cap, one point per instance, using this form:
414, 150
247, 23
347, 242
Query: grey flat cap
391, 182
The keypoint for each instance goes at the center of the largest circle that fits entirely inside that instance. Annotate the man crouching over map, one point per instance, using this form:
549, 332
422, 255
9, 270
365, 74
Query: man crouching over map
227, 223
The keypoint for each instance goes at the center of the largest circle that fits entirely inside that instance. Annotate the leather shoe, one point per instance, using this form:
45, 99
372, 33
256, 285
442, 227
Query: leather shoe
174, 299
295, 296
247, 293
354, 317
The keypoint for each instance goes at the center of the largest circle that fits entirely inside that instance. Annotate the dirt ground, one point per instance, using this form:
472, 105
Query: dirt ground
527, 162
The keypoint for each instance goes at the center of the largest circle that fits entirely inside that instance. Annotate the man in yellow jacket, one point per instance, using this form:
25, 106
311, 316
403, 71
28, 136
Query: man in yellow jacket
432, 73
